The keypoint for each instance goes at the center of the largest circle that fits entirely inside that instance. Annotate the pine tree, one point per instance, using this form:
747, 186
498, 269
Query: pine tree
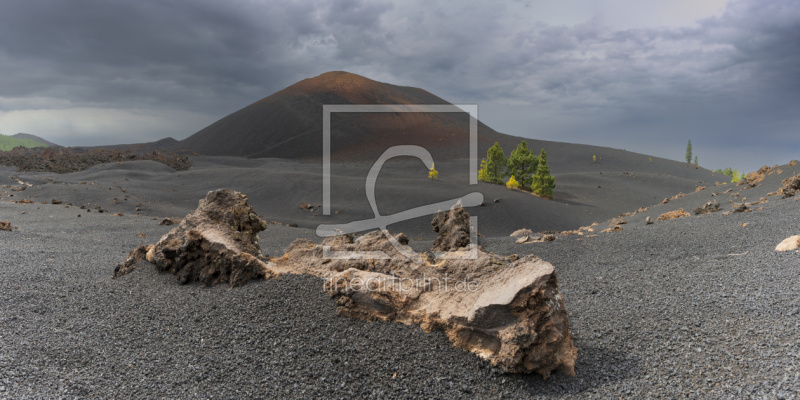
496, 163
512, 183
543, 183
689, 152
695, 161
433, 173
522, 164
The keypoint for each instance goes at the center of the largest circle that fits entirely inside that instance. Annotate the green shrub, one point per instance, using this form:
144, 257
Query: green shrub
483, 174
512, 183
433, 173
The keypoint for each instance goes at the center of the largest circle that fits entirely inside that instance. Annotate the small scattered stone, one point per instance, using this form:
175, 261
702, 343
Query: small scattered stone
788, 244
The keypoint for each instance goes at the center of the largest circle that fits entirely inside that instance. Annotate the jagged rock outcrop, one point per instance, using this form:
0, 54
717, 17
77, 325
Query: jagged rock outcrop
217, 243
754, 178
791, 186
453, 229
788, 244
507, 310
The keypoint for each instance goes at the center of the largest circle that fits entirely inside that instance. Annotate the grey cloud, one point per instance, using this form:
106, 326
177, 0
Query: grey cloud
129, 52
718, 81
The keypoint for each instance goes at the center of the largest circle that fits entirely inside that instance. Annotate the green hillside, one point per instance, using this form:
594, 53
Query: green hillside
8, 143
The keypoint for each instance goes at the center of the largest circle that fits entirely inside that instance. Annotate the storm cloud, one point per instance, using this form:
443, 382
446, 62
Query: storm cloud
602, 72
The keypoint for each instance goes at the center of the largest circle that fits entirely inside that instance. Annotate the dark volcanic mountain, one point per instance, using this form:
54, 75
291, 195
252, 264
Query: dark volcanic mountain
288, 124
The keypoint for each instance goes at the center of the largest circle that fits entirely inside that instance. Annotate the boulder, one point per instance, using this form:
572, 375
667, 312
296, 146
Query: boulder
788, 244
524, 239
740, 207
6, 226
515, 317
521, 232
711, 206
507, 310
648, 221
532, 239
615, 225
217, 243
166, 222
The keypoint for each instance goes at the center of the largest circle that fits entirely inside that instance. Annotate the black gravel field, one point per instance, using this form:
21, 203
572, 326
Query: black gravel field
698, 307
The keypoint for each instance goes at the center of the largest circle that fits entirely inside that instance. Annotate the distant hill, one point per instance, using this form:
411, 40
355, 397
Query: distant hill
9, 142
34, 138
161, 144
288, 124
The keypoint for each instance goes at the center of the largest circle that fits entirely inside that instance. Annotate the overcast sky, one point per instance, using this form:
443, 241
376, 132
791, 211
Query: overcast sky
645, 76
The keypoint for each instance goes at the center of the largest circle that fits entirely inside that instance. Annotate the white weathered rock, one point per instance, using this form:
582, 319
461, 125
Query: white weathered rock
507, 310
521, 232
788, 244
